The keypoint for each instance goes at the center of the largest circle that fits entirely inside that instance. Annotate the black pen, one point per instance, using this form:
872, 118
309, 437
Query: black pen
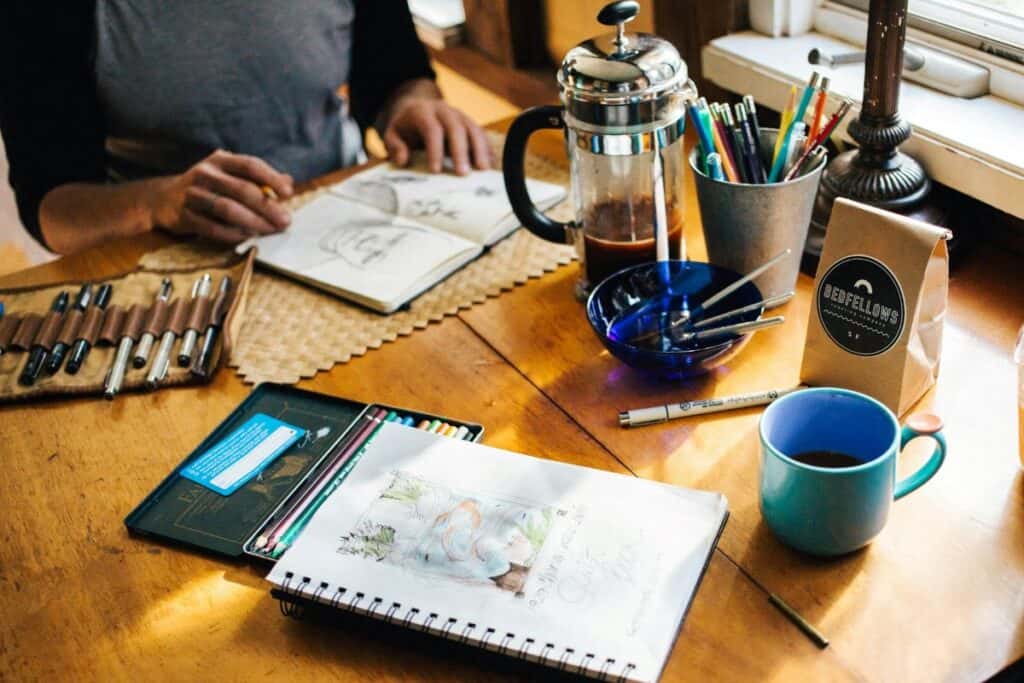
201, 366
755, 127
746, 122
60, 349
38, 354
746, 169
80, 351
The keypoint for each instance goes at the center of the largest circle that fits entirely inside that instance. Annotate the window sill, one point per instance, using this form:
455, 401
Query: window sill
972, 145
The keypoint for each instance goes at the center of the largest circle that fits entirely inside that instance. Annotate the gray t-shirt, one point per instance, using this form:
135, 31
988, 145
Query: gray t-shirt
178, 79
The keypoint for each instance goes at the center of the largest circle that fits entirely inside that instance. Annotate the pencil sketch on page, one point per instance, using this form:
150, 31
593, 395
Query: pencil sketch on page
442, 532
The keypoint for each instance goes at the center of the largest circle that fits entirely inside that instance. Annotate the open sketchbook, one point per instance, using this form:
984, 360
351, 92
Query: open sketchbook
384, 236
557, 564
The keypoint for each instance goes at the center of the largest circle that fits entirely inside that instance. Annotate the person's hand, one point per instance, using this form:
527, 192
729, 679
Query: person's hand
223, 197
422, 121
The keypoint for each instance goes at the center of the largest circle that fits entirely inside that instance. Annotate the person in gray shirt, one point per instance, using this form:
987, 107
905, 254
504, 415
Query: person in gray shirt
124, 116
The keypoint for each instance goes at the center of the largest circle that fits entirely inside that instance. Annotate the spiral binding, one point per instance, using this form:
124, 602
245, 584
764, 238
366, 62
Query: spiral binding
295, 589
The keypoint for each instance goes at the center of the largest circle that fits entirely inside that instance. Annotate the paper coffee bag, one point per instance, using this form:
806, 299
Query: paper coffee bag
879, 301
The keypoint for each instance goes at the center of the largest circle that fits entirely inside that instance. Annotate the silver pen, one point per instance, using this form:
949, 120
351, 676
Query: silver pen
162, 359
115, 378
147, 339
201, 288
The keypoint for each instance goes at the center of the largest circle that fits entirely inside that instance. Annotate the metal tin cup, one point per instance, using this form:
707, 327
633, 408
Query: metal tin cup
746, 225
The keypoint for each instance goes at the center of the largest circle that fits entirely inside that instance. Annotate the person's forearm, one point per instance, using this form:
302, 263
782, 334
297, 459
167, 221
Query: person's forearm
77, 216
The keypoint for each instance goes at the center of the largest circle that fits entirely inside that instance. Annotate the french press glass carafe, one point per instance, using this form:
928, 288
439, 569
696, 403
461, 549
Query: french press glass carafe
623, 112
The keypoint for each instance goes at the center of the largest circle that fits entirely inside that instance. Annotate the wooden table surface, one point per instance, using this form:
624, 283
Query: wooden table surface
938, 596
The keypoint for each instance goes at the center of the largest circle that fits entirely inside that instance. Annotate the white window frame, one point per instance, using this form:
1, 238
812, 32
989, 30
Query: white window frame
974, 26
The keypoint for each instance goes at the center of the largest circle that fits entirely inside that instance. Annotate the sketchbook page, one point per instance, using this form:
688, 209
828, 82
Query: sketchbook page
355, 248
474, 206
583, 560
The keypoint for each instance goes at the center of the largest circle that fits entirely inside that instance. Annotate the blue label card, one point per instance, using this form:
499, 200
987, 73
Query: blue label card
242, 454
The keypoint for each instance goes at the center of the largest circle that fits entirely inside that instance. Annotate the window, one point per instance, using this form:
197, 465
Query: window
993, 26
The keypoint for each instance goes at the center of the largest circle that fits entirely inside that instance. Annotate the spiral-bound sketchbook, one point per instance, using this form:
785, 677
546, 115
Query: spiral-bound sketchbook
561, 565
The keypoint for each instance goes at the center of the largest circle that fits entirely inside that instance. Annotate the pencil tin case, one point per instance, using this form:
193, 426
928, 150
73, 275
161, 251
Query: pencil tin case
182, 512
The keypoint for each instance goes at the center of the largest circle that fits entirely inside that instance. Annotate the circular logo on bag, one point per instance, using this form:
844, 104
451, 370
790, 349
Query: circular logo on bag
861, 306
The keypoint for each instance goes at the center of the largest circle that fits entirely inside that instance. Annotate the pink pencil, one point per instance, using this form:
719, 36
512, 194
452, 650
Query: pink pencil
353, 445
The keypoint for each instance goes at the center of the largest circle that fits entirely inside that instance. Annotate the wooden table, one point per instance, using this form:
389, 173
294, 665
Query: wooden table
938, 596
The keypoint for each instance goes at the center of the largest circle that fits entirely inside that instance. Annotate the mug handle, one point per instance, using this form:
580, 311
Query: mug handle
513, 157
922, 425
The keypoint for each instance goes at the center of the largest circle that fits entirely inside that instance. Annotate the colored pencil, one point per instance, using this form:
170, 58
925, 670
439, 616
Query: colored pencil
823, 135
293, 531
819, 110
345, 450
781, 155
725, 135
730, 172
714, 166
424, 424
462, 432
787, 116
704, 141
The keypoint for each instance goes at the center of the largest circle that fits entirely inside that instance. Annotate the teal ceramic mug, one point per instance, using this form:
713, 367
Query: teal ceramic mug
812, 497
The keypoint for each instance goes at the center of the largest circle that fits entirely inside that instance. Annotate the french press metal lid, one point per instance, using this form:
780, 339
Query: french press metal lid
623, 82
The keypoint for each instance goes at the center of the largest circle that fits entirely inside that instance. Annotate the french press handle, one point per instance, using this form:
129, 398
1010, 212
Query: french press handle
513, 157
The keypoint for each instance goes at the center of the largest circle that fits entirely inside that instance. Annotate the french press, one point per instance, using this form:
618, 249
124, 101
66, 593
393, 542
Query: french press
623, 112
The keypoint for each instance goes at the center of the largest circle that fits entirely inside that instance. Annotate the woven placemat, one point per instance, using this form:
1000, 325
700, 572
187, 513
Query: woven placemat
292, 331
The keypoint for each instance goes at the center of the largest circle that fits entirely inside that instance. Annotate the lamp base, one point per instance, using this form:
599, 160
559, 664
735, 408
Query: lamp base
899, 185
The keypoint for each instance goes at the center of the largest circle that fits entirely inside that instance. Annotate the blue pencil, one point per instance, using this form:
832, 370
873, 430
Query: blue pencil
707, 145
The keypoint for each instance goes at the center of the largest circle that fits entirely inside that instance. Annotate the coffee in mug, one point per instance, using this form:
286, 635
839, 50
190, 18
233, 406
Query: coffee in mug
828, 467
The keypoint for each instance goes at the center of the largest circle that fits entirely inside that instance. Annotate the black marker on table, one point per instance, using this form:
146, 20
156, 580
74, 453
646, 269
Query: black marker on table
60, 349
80, 351
37, 356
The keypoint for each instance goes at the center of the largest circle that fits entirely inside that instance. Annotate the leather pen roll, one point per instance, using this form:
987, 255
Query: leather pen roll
177, 316
134, 321
46, 335
199, 313
26, 332
69, 328
156, 320
113, 323
8, 326
91, 325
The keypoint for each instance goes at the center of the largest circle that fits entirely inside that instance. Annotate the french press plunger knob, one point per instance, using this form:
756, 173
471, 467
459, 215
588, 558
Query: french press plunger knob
618, 14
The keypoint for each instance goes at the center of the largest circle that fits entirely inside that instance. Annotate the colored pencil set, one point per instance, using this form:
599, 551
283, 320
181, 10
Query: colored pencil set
729, 139
281, 534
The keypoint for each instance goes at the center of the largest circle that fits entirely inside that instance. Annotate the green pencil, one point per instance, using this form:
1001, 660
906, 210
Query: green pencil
300, 523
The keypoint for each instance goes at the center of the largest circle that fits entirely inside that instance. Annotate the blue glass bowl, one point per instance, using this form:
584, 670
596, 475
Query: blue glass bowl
667, 353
